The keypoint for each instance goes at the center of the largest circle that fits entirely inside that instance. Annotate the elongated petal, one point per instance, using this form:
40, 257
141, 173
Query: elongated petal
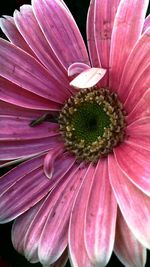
94, 57
68, 46
100, 218
31, 32
32, 238
140, 86
13, 149
25, 185
61, 199
17, 128
133, 203
139, 133
88, 78
16, 95
99, 29
129, 251
9, 28
142, 109
13, 110
127, 29
20, 228
78, 254
138, 63
23, 70
135, 164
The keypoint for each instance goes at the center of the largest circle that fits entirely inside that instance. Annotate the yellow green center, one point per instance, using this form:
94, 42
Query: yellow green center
92, 123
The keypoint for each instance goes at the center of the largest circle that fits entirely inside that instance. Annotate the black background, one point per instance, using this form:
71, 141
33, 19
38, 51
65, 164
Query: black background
8, 256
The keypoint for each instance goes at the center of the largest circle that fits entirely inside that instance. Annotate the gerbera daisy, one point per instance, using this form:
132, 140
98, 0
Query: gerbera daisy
79, 125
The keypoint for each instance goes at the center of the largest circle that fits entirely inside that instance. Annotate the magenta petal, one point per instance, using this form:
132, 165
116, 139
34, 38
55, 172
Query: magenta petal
31, 32
20, 229
142, 109
14, 110
135, 78
54, 236
50, 159
10, 30
68, 46
127, 29
22, 69
100, 217
88, 78
134, 162
77, 250
133, 203
32, 237
14, 149
129, 251
16, 95
99, 30
18, 128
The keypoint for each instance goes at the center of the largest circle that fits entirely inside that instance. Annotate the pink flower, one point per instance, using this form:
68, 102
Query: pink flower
83, 185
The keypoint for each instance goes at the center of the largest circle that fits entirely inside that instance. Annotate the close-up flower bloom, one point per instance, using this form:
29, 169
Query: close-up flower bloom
75, 122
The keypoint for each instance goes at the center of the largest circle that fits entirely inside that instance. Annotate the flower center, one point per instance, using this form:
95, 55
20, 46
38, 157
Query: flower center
92, 123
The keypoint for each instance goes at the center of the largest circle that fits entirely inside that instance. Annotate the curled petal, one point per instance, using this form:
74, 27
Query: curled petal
77, 68
88, 78
50, 159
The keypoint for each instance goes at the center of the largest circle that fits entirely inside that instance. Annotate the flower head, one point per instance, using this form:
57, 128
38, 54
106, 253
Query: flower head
79, 126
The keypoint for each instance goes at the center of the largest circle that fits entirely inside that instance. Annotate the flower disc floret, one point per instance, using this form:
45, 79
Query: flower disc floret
92, 123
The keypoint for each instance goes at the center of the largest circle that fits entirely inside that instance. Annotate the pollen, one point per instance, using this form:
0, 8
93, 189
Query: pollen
92, 123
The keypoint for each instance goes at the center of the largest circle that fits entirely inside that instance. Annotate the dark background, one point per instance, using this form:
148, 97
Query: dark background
8, 256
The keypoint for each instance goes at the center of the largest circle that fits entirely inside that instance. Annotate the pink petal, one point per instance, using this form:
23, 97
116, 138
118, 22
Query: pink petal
99, 29
142, 109
13, 110
135, 78
31, 32
9, 29
13, 149
88, 78
77, 251
20, 228
146, 23
68, 46
77, 68
61, 262
127, 29
100, 218
129, 251
134, 204
54, 236
25, 185
50, 159
92, 48
14, 94
139, 133
22, 69
17, 128
134, 161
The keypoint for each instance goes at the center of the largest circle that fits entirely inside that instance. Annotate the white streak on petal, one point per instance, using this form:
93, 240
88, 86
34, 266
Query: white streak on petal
88, 78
